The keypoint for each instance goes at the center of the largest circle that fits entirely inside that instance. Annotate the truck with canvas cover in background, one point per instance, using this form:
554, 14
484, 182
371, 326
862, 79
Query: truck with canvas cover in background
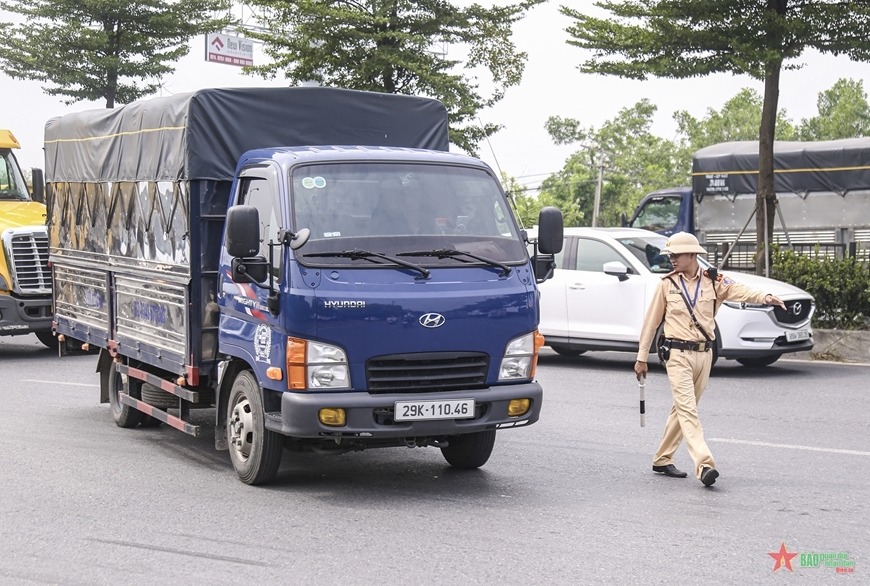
25, 278
822, 191
310, 262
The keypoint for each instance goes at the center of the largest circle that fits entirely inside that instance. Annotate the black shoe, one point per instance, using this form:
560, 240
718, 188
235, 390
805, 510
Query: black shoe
709, 476
670, 470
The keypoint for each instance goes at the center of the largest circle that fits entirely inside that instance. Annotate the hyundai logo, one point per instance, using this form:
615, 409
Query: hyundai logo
432, 320
796, 308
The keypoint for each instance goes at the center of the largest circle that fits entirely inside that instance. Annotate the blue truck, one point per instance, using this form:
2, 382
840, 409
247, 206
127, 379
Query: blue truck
311, 263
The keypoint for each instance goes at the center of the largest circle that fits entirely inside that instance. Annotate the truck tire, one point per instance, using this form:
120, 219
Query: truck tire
469, 451
124, 415
254, 450
48, 339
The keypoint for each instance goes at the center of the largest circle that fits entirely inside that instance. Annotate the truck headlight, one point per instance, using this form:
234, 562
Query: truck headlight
521, 357
314, 365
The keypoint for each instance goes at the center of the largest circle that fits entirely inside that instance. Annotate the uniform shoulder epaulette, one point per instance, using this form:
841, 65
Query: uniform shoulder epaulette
671, 274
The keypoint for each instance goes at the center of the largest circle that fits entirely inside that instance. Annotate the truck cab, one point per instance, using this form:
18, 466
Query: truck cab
25, 278
665, 211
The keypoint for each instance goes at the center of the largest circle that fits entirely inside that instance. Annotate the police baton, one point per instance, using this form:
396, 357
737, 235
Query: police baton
642, 386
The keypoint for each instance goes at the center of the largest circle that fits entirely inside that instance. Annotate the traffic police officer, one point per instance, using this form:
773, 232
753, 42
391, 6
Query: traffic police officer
690, 340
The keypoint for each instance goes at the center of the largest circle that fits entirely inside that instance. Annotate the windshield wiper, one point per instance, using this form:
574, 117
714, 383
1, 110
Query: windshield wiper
357, 254
452, 253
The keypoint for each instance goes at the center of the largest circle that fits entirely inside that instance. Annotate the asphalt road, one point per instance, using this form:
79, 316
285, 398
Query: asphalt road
569, 500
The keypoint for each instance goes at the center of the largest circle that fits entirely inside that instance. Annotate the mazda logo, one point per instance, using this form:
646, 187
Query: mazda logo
432, 320
796, 308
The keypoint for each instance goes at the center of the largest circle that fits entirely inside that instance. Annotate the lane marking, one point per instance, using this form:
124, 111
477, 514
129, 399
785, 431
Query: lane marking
788, 446
54, 382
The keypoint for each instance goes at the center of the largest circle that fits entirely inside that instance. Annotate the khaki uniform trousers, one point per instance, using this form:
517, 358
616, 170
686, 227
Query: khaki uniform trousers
688, 374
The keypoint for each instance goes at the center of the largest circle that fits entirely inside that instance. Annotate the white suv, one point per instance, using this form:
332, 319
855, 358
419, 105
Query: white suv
606, 277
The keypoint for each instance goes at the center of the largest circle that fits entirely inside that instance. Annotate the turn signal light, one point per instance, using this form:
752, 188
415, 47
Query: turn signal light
332, 416
518, 407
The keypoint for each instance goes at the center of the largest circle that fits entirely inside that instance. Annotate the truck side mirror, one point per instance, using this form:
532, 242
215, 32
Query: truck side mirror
550, 230
37, 177
545, 267
623, 219
243, 231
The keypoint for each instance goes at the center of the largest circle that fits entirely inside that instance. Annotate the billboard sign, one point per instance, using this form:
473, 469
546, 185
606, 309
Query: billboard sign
229, 49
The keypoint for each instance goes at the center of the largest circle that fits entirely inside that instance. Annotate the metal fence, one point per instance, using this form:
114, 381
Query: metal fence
742, 257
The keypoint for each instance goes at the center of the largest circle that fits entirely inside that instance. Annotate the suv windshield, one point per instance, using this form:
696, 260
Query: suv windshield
401, 208
12, 184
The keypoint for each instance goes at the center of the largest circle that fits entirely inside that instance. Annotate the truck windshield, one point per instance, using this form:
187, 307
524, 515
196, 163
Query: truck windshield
12, 185
658, 214
400, 208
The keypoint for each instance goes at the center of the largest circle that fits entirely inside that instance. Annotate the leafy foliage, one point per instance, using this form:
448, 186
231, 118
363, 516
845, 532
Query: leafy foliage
841, 287
102, 49
843, 113
739, 119
634, 161
687, 38
397, 46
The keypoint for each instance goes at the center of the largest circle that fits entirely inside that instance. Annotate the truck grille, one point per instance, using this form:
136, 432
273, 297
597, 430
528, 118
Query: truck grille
427, 372
798, 310
30, 271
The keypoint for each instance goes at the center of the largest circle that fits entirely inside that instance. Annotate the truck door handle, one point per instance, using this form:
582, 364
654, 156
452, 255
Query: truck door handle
578, 286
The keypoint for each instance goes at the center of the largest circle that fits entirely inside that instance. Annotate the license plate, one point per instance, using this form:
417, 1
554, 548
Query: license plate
422, 410
797, 335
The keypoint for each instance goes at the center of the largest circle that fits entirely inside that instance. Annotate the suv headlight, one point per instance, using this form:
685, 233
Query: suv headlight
521, 357
316, 366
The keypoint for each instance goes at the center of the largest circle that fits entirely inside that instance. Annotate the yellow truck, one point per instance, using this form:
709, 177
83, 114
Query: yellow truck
25, 277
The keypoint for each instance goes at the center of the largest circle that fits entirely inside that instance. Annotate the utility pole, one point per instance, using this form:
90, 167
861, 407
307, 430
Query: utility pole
598, 190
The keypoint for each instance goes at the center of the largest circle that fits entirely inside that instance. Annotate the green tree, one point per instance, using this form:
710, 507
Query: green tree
398, 46
843, 113
102, 49
632, 159
687, 38
738, 119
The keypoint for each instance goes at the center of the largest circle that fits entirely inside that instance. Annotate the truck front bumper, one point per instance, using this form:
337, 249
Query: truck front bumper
22, 315
371, 416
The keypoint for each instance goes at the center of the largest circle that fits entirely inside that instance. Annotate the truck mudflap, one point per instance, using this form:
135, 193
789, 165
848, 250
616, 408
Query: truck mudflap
372, 416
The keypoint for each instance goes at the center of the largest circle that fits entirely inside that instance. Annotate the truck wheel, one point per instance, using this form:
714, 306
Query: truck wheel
469, 451
759, 362
124, 415
254, 450
48, 339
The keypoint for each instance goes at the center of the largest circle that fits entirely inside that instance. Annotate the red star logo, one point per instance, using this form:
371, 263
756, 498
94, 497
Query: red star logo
783, 558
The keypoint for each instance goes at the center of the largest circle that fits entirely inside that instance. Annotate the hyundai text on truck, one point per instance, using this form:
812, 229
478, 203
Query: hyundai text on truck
822, 190
312, 263
25, 277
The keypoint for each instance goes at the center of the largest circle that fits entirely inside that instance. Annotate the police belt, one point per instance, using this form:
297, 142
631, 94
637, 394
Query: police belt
687, 345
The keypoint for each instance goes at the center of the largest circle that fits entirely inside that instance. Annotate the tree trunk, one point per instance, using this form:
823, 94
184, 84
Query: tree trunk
765, 198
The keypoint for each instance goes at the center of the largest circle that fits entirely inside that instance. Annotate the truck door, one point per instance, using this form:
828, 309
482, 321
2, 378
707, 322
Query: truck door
246, 322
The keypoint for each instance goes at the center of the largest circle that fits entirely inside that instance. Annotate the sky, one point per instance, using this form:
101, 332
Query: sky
551, 86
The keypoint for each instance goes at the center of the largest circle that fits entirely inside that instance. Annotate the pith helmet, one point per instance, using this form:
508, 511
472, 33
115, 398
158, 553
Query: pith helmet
681, 243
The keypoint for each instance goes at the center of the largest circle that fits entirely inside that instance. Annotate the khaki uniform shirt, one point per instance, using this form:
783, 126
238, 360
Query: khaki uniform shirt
668, 303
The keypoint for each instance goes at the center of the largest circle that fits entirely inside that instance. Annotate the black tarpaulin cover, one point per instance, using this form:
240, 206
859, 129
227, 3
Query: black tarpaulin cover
200, 135
837, 166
